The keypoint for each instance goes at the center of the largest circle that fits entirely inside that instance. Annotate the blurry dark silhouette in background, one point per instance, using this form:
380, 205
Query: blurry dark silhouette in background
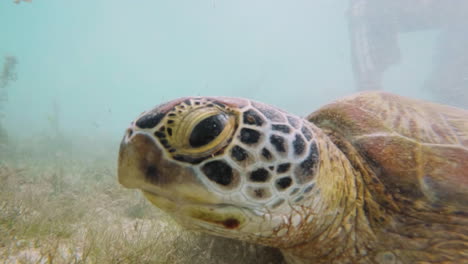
7, 75
374, 26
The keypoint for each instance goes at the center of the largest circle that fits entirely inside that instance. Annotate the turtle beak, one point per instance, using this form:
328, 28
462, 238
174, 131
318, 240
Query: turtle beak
142, 164
129, 165
140, 160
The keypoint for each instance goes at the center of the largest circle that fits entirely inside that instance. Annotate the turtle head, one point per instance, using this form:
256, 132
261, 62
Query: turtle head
229, 166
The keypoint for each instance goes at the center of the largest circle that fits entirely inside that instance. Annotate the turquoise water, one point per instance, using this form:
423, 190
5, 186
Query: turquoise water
85, 69
103, 62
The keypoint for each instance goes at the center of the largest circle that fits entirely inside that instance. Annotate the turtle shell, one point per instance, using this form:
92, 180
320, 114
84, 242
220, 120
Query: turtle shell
417, 149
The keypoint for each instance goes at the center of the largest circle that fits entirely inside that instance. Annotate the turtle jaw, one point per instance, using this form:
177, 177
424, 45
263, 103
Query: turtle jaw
223, 219
219, 215
219, 219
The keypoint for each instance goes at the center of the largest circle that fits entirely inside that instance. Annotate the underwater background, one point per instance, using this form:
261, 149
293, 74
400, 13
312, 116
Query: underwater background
74, 74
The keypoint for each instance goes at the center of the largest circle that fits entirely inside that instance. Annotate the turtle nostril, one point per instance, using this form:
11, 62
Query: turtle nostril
152, 174
129, 132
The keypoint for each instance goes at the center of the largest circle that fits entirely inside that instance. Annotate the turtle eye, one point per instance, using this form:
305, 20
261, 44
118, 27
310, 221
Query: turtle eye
207, 130
197, 131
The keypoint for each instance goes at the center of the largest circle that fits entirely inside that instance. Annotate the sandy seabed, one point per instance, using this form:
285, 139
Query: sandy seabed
58, 207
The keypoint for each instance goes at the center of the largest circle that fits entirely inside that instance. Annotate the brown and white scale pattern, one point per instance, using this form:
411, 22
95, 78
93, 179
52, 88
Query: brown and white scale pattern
256, 166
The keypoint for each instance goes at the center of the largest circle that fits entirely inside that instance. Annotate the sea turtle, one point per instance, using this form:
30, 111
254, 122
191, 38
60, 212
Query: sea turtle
370, 178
